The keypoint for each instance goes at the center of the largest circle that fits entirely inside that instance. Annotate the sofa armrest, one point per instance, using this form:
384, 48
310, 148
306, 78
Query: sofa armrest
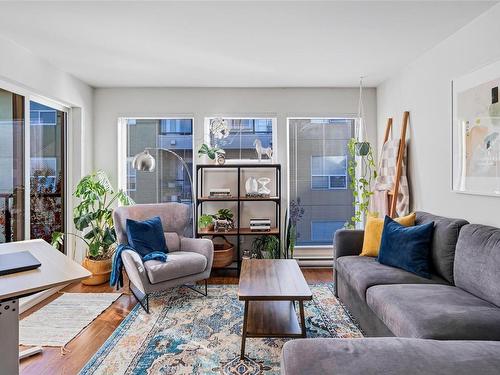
135, 269
348, 242
201, 246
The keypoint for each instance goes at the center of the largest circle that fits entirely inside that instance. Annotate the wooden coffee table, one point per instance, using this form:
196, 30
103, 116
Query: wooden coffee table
270, 288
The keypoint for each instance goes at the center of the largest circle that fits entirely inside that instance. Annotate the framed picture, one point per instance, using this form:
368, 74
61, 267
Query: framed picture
476, 132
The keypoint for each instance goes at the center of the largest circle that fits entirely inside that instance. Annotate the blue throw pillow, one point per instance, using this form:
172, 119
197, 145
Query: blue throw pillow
146, 236
408, 248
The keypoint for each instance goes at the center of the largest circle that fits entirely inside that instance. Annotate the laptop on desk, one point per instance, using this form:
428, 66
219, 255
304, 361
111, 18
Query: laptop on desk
17, 262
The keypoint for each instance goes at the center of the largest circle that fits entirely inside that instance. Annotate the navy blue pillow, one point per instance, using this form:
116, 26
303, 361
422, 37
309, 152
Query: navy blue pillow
408, 248
146, 236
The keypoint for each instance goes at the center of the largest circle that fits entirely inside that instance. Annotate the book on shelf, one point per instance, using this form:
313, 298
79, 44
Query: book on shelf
260, 221
260, 225
260, 228
220, 192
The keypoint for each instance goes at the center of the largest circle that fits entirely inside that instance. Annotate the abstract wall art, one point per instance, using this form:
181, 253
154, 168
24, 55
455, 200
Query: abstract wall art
476, 132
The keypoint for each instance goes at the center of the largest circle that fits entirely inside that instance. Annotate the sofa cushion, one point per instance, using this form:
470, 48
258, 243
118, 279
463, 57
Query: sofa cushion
434, 312
444, 241
146, 236
178, 264
364, 272
407, 248
477, 262
373, 233
389, 356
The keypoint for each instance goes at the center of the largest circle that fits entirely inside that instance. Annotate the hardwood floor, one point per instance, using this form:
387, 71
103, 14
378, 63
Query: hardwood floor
81, 348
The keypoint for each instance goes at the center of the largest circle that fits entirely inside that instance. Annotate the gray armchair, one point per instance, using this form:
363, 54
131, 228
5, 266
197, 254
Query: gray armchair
189, 259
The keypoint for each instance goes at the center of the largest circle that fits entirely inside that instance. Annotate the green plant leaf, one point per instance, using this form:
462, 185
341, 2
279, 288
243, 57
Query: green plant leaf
57, 239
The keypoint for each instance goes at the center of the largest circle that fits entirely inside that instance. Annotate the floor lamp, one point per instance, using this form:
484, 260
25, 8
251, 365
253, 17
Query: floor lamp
146, 162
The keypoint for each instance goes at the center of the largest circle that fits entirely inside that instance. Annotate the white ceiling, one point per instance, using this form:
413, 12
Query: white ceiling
233, 44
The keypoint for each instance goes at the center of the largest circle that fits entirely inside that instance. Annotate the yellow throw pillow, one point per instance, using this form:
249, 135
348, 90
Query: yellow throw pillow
373, 233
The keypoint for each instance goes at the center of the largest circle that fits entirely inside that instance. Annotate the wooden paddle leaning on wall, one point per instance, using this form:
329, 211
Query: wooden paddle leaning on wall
399, 163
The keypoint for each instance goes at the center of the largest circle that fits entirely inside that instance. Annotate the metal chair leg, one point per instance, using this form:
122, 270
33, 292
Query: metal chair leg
142, 298
198, 291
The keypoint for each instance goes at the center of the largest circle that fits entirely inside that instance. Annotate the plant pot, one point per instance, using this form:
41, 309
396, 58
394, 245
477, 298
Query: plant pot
101, 271
362, 148
223, 254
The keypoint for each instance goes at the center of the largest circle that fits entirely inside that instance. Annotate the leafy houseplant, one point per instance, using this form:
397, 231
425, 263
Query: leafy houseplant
296, 212
93, 219
266, 247
224, 214
361, 158
205, 221
208, 220
211, 152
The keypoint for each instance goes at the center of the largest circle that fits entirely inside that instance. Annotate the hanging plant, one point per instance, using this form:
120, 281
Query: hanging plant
361, 159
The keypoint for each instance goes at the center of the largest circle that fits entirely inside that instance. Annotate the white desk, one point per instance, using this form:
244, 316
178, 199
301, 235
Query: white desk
56, 269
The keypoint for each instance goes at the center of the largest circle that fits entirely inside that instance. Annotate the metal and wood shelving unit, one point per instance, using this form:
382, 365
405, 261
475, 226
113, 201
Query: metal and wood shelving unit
239, 198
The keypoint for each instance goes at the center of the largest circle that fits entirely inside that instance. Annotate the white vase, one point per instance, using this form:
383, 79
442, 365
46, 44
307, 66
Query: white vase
251, 185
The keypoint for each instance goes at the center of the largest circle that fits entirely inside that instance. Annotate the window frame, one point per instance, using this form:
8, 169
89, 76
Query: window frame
274, 136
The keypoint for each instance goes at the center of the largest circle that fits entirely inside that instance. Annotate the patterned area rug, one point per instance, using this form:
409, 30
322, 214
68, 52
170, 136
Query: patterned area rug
186, 333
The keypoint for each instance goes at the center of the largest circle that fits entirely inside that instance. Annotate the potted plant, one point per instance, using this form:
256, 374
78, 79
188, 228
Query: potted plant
213, 153
266, 247
362, 172
296, 212
206, 221
93, 219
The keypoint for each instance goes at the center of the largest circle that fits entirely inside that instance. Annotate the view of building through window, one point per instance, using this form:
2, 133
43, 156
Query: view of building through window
244, 133
47, 157
12, 166
320, 199
45, 168
169, 181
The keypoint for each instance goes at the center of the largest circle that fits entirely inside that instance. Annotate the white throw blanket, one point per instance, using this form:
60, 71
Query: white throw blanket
384, 183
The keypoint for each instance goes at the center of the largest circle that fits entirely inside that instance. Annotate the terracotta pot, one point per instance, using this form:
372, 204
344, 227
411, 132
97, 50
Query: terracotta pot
101, 271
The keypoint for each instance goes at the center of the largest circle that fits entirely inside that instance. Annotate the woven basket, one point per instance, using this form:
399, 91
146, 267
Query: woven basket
223, 253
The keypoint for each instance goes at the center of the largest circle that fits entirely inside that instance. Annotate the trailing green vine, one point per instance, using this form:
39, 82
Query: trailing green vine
361, 155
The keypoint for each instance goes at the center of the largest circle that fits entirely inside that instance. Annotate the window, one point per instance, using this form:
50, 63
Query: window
323, 230
328, 172
42, 115
320, 198
244, 135
12, 187
176, 126
169, 181
47, 158
43, 168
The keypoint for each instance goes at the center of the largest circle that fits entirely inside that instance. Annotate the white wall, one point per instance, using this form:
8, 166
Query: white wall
23, 72
110, 104
24, 69
424, 89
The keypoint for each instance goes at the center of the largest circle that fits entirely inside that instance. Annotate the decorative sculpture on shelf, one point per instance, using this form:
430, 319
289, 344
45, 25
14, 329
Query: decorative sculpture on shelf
263, 189
262, 150
251, 186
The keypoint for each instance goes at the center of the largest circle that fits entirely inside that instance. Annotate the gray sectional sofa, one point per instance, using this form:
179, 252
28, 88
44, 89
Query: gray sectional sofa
460, 302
